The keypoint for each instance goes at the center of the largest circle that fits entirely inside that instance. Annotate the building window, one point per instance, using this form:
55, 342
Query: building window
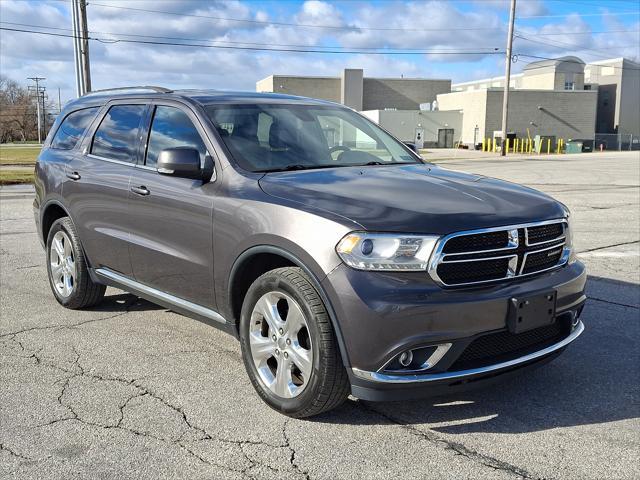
569, 86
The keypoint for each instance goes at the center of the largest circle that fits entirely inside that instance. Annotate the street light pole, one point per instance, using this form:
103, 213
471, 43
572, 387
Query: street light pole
507, 79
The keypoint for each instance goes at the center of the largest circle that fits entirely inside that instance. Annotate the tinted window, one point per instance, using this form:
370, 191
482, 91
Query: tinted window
172, 128
117, 135
72, 128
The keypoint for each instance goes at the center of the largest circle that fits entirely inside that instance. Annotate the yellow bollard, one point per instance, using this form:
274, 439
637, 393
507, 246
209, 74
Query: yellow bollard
494, 145
548, 146
484, 140
522, 146
507, 145
515, 145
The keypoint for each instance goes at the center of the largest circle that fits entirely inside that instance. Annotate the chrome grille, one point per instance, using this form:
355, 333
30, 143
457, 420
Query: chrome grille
500, 253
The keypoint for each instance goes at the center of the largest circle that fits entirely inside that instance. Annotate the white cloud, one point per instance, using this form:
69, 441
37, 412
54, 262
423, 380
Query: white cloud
434, 25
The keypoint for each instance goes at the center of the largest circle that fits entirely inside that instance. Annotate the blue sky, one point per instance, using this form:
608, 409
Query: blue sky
451, 39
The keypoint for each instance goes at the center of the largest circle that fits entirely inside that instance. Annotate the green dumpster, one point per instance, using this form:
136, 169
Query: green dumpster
573, 147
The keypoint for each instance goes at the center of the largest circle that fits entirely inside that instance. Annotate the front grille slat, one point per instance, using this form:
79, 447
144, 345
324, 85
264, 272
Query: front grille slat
496, 254
544, 233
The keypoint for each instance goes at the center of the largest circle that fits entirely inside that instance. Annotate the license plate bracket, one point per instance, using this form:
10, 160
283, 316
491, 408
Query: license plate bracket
533, 311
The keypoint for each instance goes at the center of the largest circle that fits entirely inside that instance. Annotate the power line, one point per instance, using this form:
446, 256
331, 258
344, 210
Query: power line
565, 46
583, 32
636, 12
116, 34
538, 57
261, 49
288, 24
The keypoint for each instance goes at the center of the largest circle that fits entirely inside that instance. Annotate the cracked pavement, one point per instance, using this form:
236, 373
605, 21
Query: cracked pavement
131, 390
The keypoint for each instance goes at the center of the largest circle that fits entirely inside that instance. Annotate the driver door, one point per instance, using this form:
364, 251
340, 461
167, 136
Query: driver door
171, 237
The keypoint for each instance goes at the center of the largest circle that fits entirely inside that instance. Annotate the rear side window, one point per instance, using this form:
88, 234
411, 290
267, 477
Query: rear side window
172, 128
117, 135
72, 128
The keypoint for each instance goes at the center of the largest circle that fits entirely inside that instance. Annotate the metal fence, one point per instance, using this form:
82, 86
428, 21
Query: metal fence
616, 141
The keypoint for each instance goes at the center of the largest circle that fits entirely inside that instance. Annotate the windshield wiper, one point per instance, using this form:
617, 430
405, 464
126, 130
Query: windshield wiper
299, 166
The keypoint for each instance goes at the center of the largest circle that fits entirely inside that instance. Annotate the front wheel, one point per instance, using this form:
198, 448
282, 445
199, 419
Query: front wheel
289, 346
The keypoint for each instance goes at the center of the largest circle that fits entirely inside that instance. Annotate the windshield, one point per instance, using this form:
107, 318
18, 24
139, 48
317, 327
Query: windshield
265, 138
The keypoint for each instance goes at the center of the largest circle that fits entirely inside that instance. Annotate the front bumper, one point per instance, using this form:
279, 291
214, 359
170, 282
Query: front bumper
383, 314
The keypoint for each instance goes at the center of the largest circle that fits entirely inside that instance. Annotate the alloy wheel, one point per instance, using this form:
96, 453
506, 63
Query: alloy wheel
63, 265
281, 344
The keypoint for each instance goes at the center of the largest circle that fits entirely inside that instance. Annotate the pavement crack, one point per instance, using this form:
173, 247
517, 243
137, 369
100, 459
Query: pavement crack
595, 299
456, 447
13, 453
609, 246
292, 457
73, 325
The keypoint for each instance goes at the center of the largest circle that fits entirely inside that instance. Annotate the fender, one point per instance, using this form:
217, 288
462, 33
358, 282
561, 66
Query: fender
43, 208
244, 256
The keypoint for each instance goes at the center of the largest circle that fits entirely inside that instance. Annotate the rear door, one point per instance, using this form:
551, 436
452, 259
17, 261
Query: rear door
171, 217
97, 188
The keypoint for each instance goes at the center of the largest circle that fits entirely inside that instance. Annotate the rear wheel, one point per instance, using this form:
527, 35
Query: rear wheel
67, 268
289, 347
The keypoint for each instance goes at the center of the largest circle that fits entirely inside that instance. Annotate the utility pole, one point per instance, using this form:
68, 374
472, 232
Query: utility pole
81, 46
507, 77
38, 89
84, 45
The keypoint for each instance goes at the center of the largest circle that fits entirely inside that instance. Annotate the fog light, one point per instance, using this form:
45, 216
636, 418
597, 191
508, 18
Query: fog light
406, 358
575, 319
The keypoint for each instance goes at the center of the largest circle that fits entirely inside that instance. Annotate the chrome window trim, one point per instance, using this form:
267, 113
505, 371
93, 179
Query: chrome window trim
438, 257
110, 160
433, 377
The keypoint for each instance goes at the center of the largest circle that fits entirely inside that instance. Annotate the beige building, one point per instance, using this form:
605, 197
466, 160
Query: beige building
618, 85
567, 114
617, 82
426, 128
566, 73
355, 90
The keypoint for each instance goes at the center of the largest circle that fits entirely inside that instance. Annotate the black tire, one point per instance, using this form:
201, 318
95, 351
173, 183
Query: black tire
328, 385
85, 293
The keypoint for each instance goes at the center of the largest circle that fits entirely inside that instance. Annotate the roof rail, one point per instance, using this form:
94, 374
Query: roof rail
141, 87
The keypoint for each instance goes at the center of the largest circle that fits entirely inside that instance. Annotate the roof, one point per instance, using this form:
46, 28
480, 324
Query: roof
554, 62
203, 97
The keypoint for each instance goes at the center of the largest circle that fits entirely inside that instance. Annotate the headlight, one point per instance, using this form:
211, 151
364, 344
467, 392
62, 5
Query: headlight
568, 242
386, 251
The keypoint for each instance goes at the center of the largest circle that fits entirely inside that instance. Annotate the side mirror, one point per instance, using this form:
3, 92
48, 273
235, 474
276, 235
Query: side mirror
179, 162
412, 146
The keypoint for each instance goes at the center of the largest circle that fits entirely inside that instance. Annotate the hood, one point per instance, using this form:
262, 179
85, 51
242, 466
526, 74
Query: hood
413, 198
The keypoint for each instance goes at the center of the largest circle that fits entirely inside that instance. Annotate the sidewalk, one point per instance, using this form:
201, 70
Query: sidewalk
10, 192
444, 154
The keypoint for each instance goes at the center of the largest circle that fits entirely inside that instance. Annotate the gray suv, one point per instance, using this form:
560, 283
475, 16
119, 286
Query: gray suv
342, 261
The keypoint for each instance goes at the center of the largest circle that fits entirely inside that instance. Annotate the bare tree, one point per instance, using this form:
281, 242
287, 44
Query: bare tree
18, 117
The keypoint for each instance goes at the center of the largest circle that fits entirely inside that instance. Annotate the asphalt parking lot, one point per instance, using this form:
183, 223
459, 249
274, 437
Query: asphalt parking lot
130, 390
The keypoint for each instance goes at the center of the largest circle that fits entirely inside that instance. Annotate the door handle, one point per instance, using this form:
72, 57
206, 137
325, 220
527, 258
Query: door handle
142, 190
74, 176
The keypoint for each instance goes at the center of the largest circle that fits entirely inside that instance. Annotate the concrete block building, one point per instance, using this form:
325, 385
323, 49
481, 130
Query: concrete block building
567, 114
563, 97
355, 90
616, 83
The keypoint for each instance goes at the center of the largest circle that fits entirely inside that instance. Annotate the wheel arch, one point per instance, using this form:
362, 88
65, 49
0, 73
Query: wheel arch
239, 283
52, 211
